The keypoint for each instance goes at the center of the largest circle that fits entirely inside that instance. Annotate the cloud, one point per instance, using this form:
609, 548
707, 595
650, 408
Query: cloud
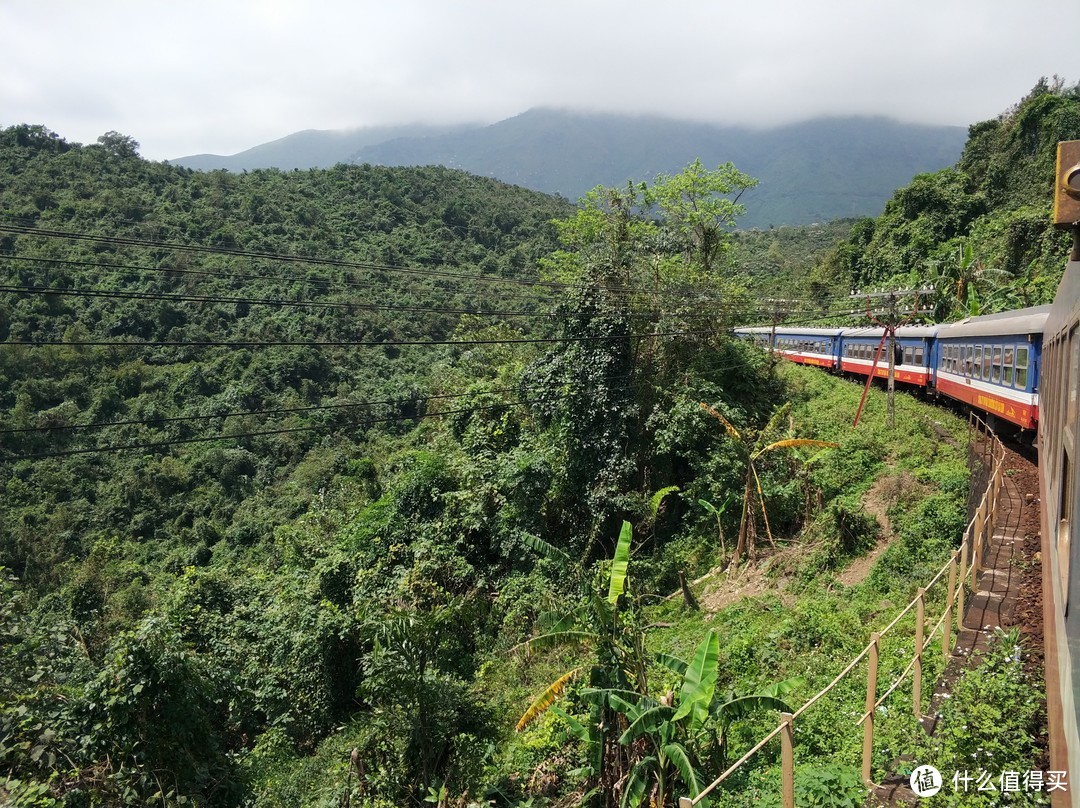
221, 77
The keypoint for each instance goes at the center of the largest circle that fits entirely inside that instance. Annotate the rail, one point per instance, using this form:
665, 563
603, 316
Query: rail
972, 549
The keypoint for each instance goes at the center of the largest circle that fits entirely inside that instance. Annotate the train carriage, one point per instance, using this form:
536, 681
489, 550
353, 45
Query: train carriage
913, 348
808, 346
992, 363
1059, 455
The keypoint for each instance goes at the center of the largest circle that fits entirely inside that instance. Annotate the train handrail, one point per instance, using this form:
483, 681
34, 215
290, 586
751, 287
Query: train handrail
971, 548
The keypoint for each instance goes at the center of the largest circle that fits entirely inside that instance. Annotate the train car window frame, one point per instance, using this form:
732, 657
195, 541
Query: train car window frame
1008, 354
968, 351
995, 366
920, 355
986, 362
1020, 379
976, 367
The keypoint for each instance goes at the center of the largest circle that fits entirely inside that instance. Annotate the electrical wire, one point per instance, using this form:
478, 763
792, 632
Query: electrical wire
321, 304
286, 430
343, 343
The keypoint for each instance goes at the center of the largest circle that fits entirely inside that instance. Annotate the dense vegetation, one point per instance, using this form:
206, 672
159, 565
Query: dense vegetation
464, 458
978, 232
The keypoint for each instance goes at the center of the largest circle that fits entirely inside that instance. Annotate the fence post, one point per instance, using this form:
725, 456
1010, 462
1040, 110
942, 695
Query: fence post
871, 699
946, 639
962, 580
920, 629
787, 760
976, 545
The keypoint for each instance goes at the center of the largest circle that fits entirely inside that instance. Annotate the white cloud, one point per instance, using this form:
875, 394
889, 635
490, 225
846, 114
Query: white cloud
224, 76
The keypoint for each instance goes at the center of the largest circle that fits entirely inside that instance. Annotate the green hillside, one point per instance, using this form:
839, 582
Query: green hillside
980, 231
314, 481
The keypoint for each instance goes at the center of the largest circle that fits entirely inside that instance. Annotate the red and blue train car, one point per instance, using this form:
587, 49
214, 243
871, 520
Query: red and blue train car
808, 346
992, 363
858, 347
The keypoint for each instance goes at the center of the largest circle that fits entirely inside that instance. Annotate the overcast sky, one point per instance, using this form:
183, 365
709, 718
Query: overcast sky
194, 76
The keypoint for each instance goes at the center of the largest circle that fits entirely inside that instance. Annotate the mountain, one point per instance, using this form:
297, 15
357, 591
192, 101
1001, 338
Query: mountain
812, 171
311, 148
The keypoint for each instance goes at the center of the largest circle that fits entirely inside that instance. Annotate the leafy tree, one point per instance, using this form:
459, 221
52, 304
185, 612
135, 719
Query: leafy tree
701, 207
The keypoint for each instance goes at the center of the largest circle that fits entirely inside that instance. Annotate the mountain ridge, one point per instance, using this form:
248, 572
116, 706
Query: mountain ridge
812, 171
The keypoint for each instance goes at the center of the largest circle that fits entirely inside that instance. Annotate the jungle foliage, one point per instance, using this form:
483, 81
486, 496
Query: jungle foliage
345, 600
980, 232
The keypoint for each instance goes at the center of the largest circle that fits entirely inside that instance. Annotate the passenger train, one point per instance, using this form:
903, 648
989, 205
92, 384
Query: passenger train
1022, 369
990, 363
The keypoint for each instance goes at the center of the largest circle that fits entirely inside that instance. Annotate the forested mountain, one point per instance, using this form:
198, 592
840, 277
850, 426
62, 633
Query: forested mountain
312, 148
979, 231
275, 449
813, 171
316, 482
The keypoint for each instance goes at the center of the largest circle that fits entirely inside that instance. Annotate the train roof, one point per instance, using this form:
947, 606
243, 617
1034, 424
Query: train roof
788, 331
903, 332
1021, 321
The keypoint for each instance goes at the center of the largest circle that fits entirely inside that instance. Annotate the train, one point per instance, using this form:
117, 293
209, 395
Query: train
990, 363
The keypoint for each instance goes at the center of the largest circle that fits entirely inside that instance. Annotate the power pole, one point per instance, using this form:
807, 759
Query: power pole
890, 410
889, 325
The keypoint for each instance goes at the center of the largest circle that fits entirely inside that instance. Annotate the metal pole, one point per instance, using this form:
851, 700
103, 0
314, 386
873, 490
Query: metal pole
891, 411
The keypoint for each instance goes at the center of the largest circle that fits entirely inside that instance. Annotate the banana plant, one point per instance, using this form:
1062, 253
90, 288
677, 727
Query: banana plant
597, 621
718, 513
752, 447
606, 620
679, 725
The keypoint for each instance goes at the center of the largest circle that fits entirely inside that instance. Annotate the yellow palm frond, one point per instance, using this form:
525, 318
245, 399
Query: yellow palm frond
546, 699
728, 426
792, 443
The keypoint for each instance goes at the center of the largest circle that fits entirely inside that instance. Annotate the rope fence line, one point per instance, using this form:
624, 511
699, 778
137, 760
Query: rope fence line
974, 547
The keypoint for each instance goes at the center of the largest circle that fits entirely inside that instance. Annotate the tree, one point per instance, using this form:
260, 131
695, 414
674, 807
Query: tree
699, 206
119, 145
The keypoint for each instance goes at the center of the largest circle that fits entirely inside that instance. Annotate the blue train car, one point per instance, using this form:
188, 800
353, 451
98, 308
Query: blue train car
808, 346
992, 363
914, 346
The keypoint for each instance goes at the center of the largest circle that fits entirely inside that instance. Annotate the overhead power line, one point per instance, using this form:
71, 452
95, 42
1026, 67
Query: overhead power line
124, 241
341, 343
313, 428
323, 304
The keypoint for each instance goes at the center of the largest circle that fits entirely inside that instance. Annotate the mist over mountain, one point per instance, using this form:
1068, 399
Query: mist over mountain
813, 171
311, 148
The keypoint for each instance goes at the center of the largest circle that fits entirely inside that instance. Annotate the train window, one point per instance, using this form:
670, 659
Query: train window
920, 356
1007, 365
986, 362
1074, 366
968, 351
996, 369
976, 368
1021, 367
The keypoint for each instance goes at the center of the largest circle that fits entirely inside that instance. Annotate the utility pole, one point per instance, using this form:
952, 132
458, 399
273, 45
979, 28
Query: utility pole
889, 325
890, 410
